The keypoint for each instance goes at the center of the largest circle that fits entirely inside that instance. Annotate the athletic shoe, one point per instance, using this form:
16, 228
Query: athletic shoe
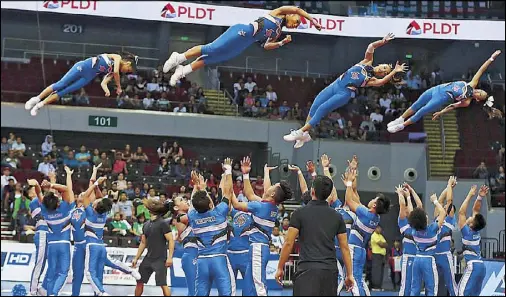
136, 274
294, 135
32, 102
395, 128
300, 143
41, 292
178, 74
35, 109
397, 121
172, 62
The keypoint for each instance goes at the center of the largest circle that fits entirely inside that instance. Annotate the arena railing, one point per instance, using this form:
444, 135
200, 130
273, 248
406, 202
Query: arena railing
26, 48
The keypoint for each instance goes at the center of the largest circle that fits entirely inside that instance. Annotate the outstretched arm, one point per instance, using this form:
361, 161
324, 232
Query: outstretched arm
440, 210
403, 211
267, 177
104, 84
349, 178
460, 104
91, 193
418, 201
273, 44
325, 161
375, 82
302, 180
369, 53
70, 191
481, 194
247, 188
38, 190
476, 78
463, 207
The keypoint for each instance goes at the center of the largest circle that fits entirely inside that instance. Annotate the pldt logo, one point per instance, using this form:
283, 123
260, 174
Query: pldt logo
168, 11
19, 259
51, 4
414, 28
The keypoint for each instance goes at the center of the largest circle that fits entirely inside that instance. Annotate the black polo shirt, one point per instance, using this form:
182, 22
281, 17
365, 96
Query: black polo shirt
318, 225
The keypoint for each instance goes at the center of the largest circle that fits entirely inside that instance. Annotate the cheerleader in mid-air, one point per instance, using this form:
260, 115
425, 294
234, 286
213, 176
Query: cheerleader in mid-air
81, 74
434, 98
339, 92
237, 38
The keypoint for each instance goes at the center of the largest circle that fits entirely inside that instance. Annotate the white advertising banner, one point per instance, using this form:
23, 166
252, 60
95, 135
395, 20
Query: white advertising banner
213, 15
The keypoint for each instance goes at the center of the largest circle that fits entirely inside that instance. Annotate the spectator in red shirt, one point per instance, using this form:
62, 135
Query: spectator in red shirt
119, 165
212, 182
259, 187
238, 186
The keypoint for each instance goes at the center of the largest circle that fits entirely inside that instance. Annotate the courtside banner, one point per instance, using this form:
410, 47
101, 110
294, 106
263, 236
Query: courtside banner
493, 284
213, 15
18, 260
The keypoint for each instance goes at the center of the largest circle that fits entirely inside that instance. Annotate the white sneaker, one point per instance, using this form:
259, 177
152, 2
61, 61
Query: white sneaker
300, 143
397, 121
136, 274
172, 62
35, 109
41, 292
294, 135
395, 128
178, 74
32, 102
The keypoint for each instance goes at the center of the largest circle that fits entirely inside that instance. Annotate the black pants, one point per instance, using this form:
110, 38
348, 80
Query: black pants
315, 282
378, 268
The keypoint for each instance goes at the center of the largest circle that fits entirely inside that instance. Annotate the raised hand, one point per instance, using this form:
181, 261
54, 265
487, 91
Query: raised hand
390, 36
45, 184
310, 167
483, 191
496, 54
68, 170
351, 175
433, 198
399, 190
436, 115
269, 168
353, 164
325, 160
101, 179
95, 168
317, 25
246, 165
32, 182
227, 161
400, 67
472, 191
287, 39
293, 168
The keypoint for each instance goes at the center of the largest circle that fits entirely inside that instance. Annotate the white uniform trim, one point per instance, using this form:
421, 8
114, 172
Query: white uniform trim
256, 267
39, 262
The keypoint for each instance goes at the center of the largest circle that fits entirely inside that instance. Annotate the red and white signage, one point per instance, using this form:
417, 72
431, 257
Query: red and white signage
213, 15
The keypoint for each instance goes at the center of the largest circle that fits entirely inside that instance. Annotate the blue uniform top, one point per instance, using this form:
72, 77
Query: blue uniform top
77, 219
471, 240
35, 210
445, 235
365, 224
348, 217
408, 244
102, 64
425, 240
269, 27
211, 229
336, 204
94, 225
241, 222
357, 76
457, 90
58, 221
188, 239
264, 214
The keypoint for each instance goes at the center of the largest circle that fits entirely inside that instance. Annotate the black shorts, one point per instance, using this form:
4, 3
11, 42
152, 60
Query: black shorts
315, 282
148, 266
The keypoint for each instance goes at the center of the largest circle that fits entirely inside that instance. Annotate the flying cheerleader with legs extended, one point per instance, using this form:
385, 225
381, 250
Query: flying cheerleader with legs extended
237, 38
434, 98
339, 92
81, 74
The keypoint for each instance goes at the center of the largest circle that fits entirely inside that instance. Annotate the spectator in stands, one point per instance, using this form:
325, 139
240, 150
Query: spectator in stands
192, 90
270, 94
54, 156
296, 112
21, 208
152, 194
255, 109
153, 86
83, 157
140, 85
45, 167
213, 193
499, 180
481, 171
8, 195
130, 190
200, 93
238, 188
277, 239
138, 193
18, 147
176, 152
163, 102
165, 168
5, 146
386, 101
118, 226
241, 95
70, 160
249, 101
119, 165
126, 206
182, 170
126, 155
366, 122
6, 176
113, 193
275, 114
259, 186
377, 118
180, 108
95, 158
106, 167
395, 252
82, 98
282, 213
284, 109
47, 145
139, 156
145, 189
212, 181
398, 96
239, 85
11, 160
148, 102
137, 227
285, 225
163, 150
196, 166
250, 84
350, 132
362, 134
12, 139
202, 106
121, 182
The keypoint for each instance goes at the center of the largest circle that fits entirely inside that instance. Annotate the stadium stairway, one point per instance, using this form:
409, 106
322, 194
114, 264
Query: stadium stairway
5, 223
219, 103
442, 164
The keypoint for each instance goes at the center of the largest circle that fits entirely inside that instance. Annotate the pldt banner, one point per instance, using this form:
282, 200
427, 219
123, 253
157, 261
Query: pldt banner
493, 285
213, 15
18, 260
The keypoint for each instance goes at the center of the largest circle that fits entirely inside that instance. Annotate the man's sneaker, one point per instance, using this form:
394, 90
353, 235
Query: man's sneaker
32, 102
172, 62
136, 274
300, 143
397, 121
294, 135
395, 128
35, 109
178, 74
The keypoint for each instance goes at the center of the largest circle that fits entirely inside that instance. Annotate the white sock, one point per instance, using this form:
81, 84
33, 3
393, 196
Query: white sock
187, 69
181, 58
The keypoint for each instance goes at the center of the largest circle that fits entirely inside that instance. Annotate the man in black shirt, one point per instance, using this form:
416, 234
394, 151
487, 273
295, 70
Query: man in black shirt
316, 224
156, 233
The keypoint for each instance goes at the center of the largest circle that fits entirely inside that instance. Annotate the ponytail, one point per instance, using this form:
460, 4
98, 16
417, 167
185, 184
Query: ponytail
129, 57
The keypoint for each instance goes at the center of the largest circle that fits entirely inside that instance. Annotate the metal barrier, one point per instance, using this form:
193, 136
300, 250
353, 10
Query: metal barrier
290, 269
26, 48
502, 241
489, 247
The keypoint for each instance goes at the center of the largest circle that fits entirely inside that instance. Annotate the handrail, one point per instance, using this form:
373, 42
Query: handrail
229, 96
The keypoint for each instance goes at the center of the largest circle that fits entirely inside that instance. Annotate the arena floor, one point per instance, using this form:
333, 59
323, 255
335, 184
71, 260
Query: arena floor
86, 290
